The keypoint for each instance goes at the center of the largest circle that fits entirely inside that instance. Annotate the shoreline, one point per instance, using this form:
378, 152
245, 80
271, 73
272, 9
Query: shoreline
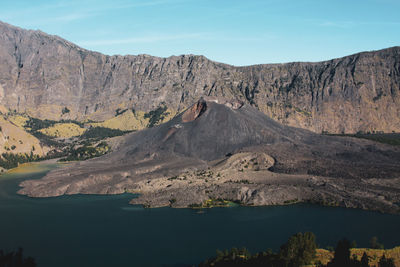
200, 208
246, 188
40, 162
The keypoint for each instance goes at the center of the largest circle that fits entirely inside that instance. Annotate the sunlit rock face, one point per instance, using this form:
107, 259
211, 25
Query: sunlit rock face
43, 74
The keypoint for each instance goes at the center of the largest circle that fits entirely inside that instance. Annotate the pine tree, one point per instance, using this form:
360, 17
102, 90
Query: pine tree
299, 250
386, 262
364, 260
342, 254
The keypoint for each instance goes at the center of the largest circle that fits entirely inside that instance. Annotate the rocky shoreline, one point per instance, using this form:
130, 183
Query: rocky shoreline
243, 178
254, 187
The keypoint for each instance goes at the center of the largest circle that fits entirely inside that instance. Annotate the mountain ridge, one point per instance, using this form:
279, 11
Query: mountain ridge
43, 74
55, 36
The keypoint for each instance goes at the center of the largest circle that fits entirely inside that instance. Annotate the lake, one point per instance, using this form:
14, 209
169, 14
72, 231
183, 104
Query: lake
92, 230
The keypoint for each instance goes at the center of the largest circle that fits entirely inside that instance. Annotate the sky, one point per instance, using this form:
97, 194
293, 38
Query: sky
237, 32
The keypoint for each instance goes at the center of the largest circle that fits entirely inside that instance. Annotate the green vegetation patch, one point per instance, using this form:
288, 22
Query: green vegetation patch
87, 152
76, 143
11, 160
290, 201
157, 115
385, 138
213, 203
102, 133
65, 110
302, 111
301, 250
121, 111
34, 124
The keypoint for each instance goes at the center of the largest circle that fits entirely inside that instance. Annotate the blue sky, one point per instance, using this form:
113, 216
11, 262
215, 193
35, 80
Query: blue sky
238, 32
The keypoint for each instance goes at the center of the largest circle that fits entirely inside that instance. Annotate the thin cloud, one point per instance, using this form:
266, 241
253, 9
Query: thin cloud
67, 18
349, 24
337, 24
144, 4
91, 9
35, 10
144, 39
71, 17
155, 38
382, 23
96, 8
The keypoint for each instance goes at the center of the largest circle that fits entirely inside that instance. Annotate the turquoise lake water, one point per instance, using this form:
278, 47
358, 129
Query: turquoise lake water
87, 230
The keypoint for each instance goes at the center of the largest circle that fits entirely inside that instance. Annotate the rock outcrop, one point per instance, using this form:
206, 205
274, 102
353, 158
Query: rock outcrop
42, 74
195, 111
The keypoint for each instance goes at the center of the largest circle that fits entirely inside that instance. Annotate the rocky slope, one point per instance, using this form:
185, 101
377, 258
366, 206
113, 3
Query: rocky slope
43, 74
227, 149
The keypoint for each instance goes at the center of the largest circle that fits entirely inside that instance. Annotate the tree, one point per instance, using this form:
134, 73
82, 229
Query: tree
342, 254
157, 115
364, 260
299, 250
375, 244
16, 259
220, 255
65, 110
386, 262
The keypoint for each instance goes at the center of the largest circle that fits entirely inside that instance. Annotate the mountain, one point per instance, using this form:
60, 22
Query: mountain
221, 148
45, 76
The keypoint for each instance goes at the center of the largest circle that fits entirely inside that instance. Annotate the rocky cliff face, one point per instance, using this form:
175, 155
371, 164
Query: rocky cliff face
43, 74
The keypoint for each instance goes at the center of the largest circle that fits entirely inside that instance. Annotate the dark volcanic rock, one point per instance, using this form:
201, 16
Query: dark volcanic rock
210, 140
222, 130
42, 74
